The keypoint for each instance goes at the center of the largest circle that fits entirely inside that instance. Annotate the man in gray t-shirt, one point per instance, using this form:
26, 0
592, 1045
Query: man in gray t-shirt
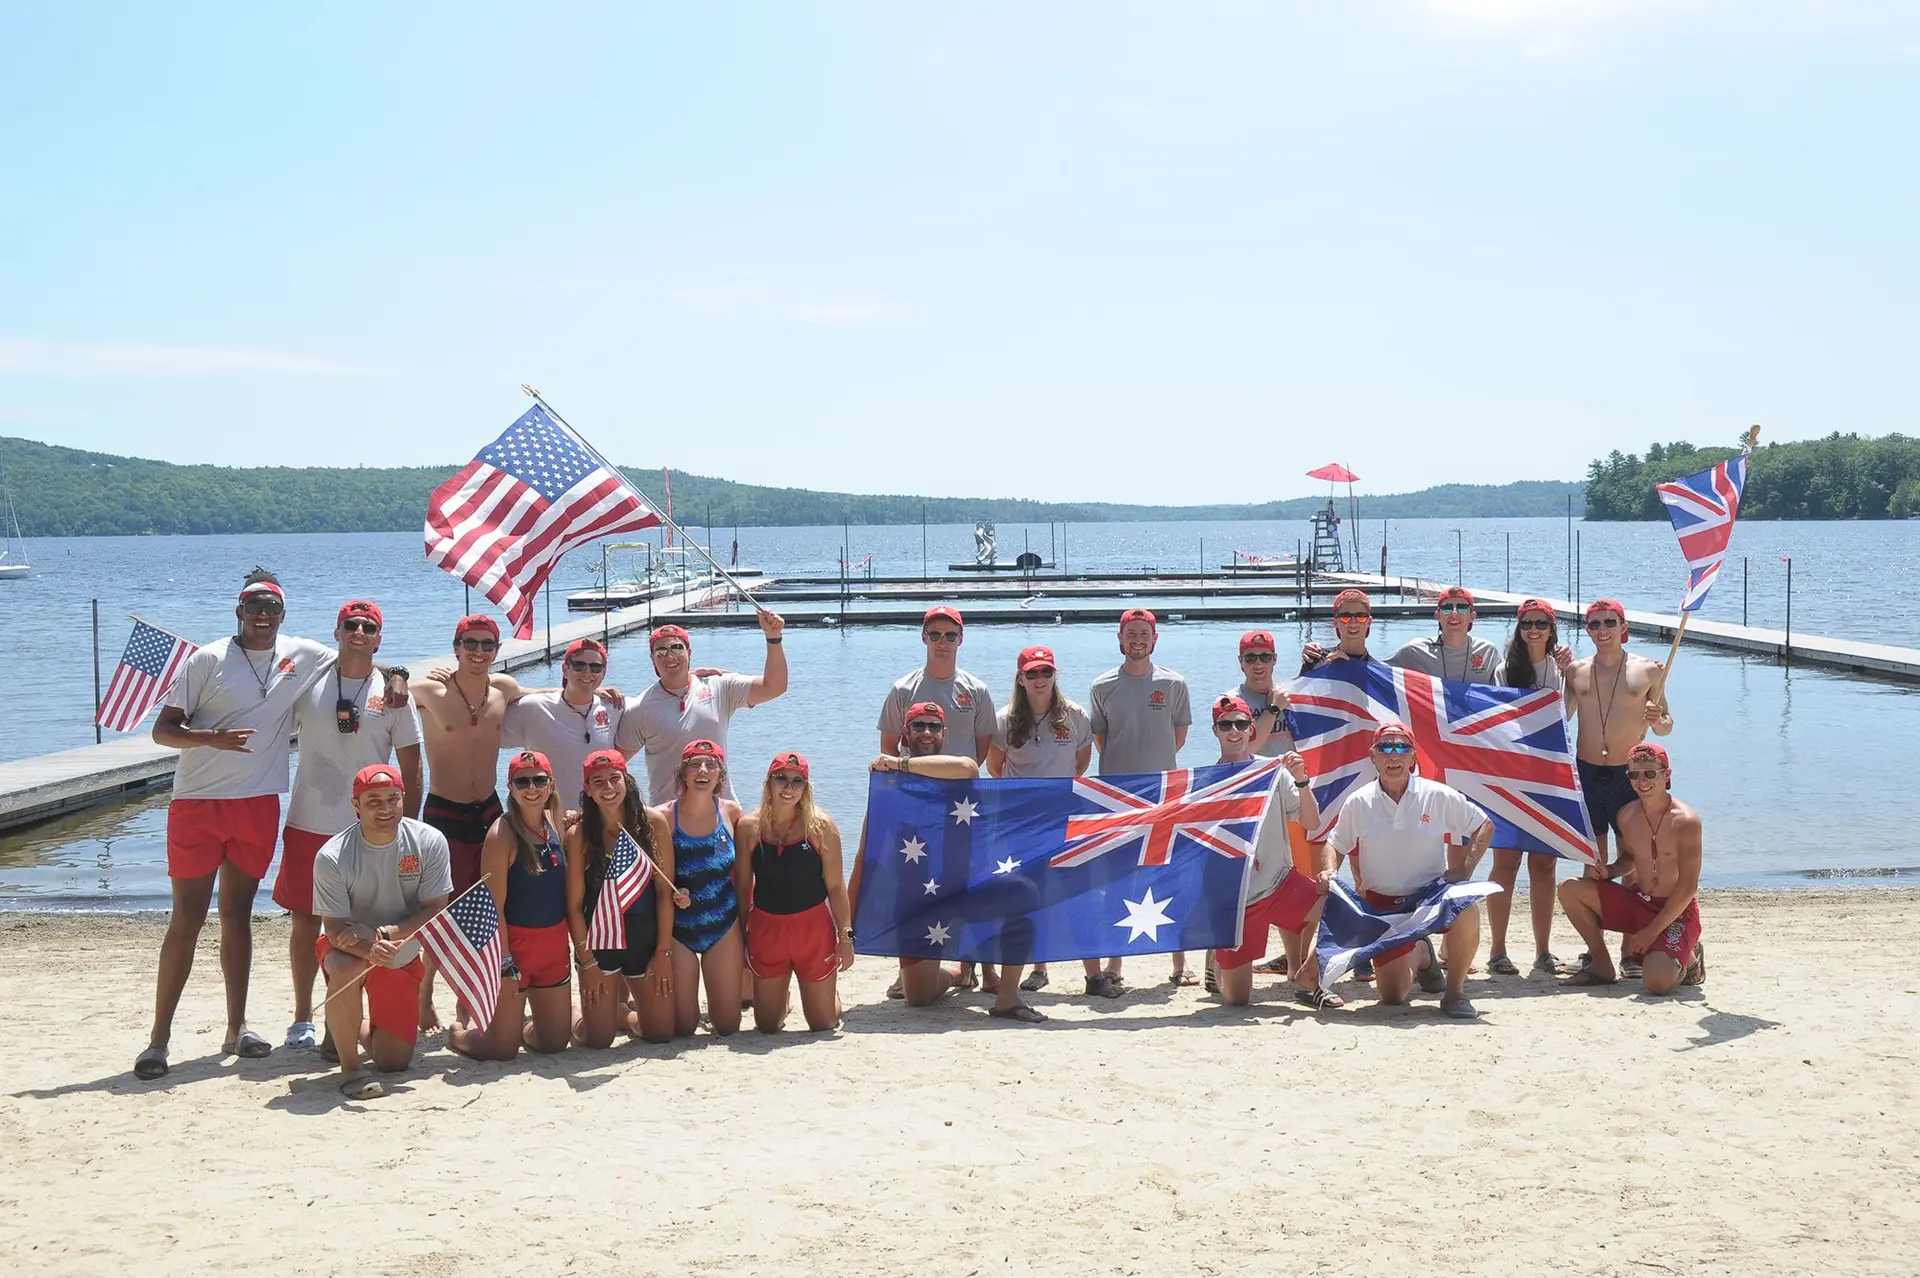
1453, 654
964, 698
684, 706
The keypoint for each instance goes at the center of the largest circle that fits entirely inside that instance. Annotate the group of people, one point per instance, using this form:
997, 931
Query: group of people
393, 816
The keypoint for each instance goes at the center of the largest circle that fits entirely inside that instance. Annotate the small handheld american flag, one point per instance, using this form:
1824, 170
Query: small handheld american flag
627, 875
465, 940
147, 669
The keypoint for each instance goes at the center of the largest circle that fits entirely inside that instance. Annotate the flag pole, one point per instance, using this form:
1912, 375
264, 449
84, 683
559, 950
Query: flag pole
665, 518
1658, 693
363, 973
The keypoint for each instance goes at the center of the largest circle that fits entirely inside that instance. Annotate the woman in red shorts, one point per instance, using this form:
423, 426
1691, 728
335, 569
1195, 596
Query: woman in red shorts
798, 917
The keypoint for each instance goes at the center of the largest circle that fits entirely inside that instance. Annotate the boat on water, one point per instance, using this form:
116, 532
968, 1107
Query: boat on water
665, 571
13, 555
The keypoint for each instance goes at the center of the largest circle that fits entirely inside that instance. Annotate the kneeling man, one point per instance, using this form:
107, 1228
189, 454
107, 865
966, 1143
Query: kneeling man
374, 885
1394, 828
1660, 914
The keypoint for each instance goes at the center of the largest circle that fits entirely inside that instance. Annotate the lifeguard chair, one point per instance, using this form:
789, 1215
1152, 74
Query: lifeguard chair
1326, 541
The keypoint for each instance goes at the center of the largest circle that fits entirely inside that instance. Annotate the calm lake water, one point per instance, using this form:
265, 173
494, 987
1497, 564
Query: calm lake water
1767, 754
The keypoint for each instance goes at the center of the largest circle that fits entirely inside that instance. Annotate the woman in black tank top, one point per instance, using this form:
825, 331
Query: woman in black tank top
793, 890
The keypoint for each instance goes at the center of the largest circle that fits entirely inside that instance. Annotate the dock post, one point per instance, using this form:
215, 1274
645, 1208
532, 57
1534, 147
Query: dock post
1509, 563
96, 672
1459, 558
605, 608
1576, 572
1786, 654
923, 543
1743, 590
468, 605
548, 591
1569, 546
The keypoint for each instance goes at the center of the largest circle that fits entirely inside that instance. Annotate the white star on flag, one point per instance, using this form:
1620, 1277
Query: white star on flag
963, 811
913, 849
1145, 918
1007, 866
932, 888
938, 934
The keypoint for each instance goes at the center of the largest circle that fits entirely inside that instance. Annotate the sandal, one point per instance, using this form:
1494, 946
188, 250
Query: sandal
1432, 978
1319, 1000
301, 1034
1697, 970
360, 1086
1501, 965
898, 989
1548, 965
1182, 978
249, 1046
1586, 976
150, 1064
1018, 1012
1036, 980
1273, 966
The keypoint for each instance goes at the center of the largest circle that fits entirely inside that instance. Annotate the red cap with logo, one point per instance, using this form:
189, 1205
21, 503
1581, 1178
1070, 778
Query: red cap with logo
701, 748
928, 709
1230, 705
1606, 605
1256, 641
789, 761
669, 632
1455, 593
582, 645
477, 621
1391, 730
939, 611
377, 776
360, 608
1648, 750
603, 761
528, 761
1139, 614
1348, 598
1036, 656
1535, 605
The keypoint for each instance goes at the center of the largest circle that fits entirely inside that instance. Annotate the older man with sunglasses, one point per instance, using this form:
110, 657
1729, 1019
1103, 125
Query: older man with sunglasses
963, 699
687, 705
357, 717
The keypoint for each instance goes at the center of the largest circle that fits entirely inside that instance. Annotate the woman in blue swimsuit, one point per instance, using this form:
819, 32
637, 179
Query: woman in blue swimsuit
707, 942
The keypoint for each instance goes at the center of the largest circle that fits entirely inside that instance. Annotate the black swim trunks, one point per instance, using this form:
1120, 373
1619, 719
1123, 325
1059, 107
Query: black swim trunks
1607, 790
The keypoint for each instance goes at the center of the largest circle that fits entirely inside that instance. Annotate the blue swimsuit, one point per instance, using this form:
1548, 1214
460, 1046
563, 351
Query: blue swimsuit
703, 867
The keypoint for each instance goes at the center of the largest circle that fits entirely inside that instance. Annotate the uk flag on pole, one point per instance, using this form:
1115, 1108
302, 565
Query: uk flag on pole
1702, 509
1507, 749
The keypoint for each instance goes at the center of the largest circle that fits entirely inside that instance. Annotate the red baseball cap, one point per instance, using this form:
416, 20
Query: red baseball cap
919, 708
1392, 728
603, 761
669, 632
942, 610
1352, 597
1227, 705
528, 761
1535, 605
701, 748
789, 761
263, 588
1648, 750
1455, 592
476, 621
1257, 641
1139, 614
581, 645
377, 776
360, 608
1036, 656
1603, 605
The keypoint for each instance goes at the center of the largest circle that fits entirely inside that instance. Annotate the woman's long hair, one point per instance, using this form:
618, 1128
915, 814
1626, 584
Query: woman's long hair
1519, 665
1020, 718
593, 829
528, 842
812, 820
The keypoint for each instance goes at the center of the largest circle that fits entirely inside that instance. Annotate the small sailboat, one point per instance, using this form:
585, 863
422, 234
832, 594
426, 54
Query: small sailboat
13, 555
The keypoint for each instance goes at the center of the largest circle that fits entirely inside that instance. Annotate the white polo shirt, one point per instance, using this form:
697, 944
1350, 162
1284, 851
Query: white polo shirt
1399, 848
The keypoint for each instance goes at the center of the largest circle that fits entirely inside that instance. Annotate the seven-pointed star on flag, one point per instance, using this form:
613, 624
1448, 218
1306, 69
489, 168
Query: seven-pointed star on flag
1007, 866
913, 849
1145, 917
963, 811
938, 934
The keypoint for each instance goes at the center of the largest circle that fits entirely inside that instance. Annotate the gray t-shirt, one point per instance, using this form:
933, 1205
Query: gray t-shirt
1477, 662
322, 800
362, 883
1137, 715
1049, 751
1276, 744
968, 704
226, 686
1272, 849
566, 734
662, 722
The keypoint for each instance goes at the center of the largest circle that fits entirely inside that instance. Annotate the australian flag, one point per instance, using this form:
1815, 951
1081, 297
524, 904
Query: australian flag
1045, 869
1507, 749
1702, 509
1351, 931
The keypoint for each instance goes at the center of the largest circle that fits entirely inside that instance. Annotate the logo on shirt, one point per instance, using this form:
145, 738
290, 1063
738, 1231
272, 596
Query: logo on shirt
376, 704
1426, 818
703, 694
1062, 733
1158, 700
285, 666
1478, 661
600, 718
410, 864
962, 699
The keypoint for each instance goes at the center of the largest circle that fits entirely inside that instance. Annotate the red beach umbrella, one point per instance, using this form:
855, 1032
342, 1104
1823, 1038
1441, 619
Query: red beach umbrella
1334, 473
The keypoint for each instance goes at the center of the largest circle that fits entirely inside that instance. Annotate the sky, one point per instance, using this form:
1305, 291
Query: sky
1073, 251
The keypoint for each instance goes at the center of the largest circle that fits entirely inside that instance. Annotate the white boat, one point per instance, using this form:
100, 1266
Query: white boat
13, 562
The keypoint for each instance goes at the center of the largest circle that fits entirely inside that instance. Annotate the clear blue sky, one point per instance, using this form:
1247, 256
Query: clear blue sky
1141, 252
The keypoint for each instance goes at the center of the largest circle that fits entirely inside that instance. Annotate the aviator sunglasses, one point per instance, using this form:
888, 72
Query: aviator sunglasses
360, 625
926, 725
1257, 658
1235, 725
1353, 616
588, 667
479, 645
532, 781
1454, 607
1038, 673
1603, 623
1647, 774
1536, 625
941, 636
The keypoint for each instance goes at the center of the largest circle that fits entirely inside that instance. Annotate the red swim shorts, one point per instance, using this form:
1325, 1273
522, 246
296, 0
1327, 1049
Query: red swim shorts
393, 994
204, 833
543, 954
800, 943
1286, 907
293, 886
1624, 910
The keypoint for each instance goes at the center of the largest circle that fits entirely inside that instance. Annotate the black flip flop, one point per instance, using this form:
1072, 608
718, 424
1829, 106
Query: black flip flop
150, 1064
249, 1046
1018, 1012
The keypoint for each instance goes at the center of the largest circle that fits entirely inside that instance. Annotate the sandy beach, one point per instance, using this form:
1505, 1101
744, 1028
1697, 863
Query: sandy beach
1768, 1123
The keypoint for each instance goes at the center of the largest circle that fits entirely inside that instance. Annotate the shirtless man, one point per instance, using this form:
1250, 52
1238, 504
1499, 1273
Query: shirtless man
1660, 915
924, 736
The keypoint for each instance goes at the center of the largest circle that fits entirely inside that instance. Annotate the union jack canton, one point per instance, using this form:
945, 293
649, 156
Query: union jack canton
1702, 509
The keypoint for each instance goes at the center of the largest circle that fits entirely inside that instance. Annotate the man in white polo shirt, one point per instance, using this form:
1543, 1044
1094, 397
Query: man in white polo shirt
1395, 829
684, 706
570, 724
346, 721
962, 697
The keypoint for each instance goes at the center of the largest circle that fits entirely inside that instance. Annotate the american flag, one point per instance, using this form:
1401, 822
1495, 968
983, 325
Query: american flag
147, 669
1507, 749
1153, 809
533, 494
1702, 509
465, 940
627, 875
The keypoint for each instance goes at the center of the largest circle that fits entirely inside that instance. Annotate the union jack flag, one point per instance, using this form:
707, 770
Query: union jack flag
1507, 749
465, 940
1702, 509
1156, 808
627, 873
533, 494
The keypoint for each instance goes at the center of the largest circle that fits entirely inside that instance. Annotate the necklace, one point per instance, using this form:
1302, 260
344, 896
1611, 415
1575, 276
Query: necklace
272, 656
473, 711
1607, 701
586, 733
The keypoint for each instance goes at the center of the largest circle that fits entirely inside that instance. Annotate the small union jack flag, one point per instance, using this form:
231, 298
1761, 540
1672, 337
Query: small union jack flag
465, 940
1702, 509
627, 874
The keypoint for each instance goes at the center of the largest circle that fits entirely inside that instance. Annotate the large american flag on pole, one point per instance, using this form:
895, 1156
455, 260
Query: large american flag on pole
1507, 749
1702, 509
465, 939
147, 668
533, 494
626, 878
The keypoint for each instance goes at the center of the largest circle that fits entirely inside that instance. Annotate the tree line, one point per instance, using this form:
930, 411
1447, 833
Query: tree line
67, 492
1839, 477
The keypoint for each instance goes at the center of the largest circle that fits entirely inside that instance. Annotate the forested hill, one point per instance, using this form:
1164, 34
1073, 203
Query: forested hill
1839, 477
65, 492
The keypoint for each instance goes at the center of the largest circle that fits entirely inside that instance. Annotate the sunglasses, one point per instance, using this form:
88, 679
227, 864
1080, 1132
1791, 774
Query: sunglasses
359, 626
1038, 673
702, 763
1454, 607
1258, 658
605, 777
256, 607
479, 645
1536, 625
1394, 747
1646, 775
941, 636
787, 780
1352, 616
532, 781
1233, 725
668, 649
588, 667
1604, 623
926, 725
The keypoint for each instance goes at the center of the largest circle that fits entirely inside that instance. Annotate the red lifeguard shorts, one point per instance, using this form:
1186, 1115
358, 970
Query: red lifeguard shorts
1624, 910
543, 954
800, 943
204, 833
393, 994
1286, 907
293, 886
